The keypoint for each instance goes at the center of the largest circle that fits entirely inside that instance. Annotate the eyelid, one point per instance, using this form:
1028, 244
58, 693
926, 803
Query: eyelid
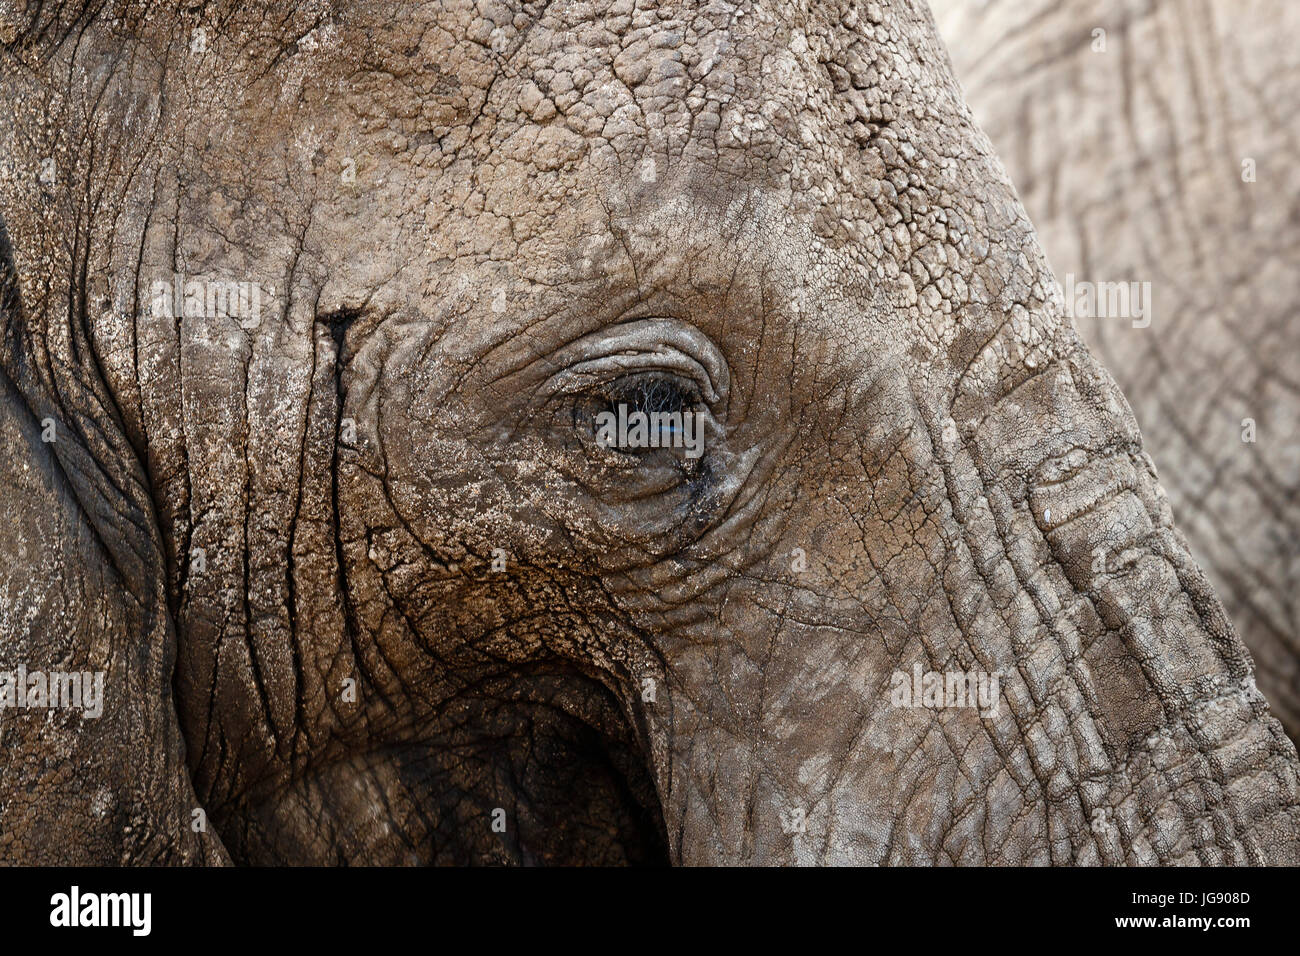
643, 346
594, 374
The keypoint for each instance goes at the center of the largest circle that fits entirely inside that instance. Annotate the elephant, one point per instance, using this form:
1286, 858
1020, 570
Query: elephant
330, 335
1151, 143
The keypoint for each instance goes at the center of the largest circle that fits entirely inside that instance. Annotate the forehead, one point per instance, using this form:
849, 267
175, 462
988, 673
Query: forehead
479, 143
781, 88
810, 102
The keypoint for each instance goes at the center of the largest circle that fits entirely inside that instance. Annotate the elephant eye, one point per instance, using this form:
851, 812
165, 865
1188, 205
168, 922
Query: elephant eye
664, 399
645, 414
652, 394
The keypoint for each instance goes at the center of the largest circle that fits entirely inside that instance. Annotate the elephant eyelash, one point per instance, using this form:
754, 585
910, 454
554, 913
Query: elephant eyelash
648, 393
651, 393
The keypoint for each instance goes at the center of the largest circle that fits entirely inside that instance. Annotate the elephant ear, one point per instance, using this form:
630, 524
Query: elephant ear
100, 778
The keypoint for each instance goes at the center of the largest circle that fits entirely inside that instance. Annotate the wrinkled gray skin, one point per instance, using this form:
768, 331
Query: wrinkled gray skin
480, 224
1130, 162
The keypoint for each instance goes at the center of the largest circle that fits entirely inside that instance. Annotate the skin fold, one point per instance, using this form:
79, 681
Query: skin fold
366, 588
1166, 158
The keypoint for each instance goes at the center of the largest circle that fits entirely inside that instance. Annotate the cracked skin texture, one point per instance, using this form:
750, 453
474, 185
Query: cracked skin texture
1130, 164
475, 220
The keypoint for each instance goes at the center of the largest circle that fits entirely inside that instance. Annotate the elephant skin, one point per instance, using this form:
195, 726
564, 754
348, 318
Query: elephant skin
366, 587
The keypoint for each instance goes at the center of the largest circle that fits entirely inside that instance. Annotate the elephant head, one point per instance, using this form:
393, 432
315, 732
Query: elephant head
332, 309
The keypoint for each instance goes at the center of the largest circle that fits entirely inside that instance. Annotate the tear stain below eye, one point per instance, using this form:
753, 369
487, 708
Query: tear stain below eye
698, 485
